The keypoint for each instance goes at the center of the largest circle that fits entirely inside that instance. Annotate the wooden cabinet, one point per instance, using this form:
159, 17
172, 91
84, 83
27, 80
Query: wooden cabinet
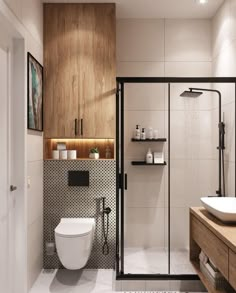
218, 241
216, 250
232, 268
79, 70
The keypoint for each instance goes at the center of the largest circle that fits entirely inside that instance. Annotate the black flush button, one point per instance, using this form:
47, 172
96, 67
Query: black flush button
78, 178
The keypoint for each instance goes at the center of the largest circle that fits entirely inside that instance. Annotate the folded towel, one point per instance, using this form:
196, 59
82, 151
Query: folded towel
203, 257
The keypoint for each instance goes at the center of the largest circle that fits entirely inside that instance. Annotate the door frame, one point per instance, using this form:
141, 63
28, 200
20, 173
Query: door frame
12, 36
120, 175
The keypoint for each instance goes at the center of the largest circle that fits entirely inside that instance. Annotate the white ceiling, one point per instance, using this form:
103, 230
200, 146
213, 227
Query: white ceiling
157, 8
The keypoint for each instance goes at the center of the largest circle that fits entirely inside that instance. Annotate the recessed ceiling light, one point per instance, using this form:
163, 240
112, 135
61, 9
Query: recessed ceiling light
201, 1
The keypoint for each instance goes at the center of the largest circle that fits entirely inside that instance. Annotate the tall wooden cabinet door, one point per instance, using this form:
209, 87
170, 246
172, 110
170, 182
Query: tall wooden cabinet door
98, 71
61, 75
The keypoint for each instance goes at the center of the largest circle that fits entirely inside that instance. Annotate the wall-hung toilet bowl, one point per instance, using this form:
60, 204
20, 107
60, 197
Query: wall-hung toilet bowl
74, 240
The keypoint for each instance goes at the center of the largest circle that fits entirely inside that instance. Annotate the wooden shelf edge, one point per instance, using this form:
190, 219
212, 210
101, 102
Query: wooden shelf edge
204, 280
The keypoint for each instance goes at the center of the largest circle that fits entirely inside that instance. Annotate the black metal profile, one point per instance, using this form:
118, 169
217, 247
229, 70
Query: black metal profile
121, 81
117, 178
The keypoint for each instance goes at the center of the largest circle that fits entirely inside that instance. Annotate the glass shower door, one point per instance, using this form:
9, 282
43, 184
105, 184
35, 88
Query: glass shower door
145, 236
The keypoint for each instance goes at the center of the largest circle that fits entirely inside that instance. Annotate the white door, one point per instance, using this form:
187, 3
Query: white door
4, 174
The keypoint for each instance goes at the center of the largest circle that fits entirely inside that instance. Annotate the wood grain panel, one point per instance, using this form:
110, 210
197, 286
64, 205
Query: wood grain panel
80, 69
216, 250
232, 268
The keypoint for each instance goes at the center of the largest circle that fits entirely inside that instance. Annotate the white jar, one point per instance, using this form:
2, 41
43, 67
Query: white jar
149, 157
155, 134
55, 155
150, 133
72, 155
63, 155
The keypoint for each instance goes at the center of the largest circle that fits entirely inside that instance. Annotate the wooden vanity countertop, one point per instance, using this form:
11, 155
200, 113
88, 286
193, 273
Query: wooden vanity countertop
225, 232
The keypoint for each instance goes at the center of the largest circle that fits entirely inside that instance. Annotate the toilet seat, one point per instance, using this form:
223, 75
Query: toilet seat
73, 229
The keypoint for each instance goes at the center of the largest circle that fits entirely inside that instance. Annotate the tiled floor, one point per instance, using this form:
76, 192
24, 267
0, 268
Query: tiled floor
155, 261
81, 281
92, 281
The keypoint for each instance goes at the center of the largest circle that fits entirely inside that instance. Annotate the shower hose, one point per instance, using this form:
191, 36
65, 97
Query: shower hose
105, 247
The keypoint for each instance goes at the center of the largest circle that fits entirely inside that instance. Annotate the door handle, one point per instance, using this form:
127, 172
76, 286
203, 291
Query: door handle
13, 188
81, 127
126, 185
76, 127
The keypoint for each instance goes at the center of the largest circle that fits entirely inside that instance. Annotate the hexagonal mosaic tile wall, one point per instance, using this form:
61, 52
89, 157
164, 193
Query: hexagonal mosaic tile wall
61, 200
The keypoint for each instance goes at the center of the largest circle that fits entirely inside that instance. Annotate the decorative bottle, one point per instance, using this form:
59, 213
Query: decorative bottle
143, 134
149, 157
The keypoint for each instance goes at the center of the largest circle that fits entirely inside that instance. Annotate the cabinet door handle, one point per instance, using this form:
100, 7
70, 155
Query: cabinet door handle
126, 179
76, 127
81, 127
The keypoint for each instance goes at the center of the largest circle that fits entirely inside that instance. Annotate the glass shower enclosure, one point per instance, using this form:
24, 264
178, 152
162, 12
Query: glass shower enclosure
153, 200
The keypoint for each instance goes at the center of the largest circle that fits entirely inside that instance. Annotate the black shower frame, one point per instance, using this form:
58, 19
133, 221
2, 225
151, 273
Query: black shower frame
121, 180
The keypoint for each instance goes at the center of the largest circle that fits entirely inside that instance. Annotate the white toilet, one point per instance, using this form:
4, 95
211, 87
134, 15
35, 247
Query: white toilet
74, 240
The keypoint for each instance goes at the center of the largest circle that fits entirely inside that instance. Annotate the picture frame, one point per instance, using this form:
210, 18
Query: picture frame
35, 94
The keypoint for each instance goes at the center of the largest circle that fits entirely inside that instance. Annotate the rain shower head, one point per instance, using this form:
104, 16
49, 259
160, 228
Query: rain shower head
191, 94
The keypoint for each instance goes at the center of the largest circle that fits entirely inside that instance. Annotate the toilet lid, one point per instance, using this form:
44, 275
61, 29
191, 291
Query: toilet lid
73, 229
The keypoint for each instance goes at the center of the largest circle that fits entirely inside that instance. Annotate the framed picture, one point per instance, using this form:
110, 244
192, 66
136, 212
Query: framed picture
35, 94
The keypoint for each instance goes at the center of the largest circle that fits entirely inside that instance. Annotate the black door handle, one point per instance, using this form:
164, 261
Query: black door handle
76, 127
126, 179
81, 127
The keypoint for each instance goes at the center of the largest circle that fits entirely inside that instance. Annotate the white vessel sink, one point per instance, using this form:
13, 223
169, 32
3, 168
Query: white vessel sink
223, 208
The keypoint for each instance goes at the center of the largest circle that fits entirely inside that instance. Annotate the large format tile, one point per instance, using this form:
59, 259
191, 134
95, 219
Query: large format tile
225, 62
146, 186
222, 28
146, 261
140, 69
190, 134
35, 250
140, 224
35, 191
140, 40
188, 69
144, 97
187, 40
34, 146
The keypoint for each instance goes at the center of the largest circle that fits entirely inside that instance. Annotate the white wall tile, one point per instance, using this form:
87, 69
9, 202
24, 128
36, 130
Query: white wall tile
35, 250
32, 18
140, 69
187, 40
224, 65
179, 223
144, 97
34, 146
35, 191
188, 69
140, 224
145, 186
191, 134
222, 28
140, 40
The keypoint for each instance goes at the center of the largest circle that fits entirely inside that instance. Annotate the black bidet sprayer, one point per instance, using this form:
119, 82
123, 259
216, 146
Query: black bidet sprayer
105, 226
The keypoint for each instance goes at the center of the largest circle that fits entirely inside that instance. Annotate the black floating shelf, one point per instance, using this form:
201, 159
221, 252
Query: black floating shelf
149, 140
143, 163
